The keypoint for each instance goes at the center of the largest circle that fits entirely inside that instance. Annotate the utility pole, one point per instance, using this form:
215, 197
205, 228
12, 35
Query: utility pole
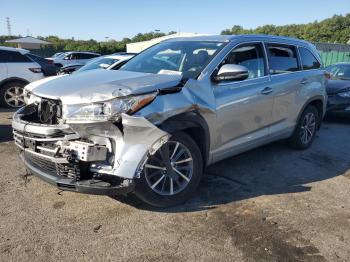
8, 26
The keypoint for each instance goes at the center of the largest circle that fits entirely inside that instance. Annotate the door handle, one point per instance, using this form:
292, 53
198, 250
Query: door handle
266, 91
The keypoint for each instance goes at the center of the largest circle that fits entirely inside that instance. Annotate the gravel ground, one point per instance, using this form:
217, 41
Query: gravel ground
269, 204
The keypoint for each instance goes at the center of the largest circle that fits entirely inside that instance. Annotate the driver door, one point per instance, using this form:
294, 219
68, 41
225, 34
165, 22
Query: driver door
244, 108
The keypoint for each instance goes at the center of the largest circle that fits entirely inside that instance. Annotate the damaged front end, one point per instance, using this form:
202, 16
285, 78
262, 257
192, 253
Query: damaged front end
82, 149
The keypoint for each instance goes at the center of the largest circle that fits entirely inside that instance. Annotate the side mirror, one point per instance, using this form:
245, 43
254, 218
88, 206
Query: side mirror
231, 72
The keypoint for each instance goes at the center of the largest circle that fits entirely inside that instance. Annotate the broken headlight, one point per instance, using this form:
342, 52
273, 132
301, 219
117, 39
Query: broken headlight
108, 110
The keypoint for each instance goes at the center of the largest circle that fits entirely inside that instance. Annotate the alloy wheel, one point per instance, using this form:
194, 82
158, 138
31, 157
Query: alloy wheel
170, 169
308, 128
14, 96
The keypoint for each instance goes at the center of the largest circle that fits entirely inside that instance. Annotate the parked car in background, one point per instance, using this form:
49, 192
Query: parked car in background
104, 62
152, 126
17, 69
48, 68
56, 54
338, 89
68, 69
69, 58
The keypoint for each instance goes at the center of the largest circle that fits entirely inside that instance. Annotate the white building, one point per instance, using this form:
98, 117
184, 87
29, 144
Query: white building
28, 42
140, 46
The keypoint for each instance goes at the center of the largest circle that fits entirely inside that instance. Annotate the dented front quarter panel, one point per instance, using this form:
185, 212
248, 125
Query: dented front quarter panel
196, 96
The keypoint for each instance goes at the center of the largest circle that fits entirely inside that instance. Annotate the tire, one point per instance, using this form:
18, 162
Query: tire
173, 189
11, 95
303, 137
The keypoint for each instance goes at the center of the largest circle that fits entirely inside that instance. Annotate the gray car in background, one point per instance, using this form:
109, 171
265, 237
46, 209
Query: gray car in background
150, 127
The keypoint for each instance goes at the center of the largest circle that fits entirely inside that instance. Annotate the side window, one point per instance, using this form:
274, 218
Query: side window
13, 57
282, 59
68, 57
82, 56
308, 60
89, 56
251, 56
74, 56
86, 56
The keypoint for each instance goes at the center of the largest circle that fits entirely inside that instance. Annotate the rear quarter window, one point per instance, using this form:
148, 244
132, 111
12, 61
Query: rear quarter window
282, 59
308, 60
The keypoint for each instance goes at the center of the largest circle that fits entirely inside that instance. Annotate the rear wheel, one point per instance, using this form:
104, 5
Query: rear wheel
172, 174
11, 95
306, 128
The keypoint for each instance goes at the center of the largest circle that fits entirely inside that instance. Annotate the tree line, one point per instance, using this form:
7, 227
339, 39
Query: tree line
332, 30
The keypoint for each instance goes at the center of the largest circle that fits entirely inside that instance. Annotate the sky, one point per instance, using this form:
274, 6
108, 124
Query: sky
116, 19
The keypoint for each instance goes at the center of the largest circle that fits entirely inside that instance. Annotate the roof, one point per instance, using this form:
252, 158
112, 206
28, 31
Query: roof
118, 56
81, 52
162, 38
22, 51
28, 40
227, 38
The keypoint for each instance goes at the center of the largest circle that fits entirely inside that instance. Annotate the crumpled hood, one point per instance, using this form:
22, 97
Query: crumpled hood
337, 86
100, 85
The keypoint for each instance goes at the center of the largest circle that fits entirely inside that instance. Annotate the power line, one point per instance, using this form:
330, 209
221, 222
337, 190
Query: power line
8, 26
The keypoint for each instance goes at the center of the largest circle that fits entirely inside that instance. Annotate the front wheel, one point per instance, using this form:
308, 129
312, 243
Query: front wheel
172, 174
305, 131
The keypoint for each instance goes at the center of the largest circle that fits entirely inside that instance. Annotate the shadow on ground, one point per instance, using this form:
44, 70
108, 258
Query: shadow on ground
5, 133
269, 170
5, 124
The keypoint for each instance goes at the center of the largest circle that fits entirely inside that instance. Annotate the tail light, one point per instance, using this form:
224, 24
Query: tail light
35, 70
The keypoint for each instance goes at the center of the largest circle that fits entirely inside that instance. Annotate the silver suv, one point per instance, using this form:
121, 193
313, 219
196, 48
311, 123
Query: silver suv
151, 126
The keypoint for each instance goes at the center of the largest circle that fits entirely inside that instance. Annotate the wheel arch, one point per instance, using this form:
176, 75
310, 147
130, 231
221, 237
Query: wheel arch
13, 79
317, 102
194, 125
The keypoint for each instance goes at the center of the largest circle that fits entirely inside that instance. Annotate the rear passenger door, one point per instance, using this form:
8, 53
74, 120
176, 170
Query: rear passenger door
243, 107
286, 82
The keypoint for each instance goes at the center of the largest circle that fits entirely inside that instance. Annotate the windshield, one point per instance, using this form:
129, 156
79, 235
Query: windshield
339, 71
60, 55
100, 62
188, 58
57, 54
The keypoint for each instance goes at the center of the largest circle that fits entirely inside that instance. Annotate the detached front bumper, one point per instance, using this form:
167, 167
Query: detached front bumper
90, 186
94, 157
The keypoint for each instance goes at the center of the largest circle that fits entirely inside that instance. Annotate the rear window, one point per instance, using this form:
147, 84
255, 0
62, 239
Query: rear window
13, 57
308, 60
282, 59
37, 58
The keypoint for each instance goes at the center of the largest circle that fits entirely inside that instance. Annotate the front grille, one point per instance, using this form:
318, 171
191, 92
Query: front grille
41, 163
70, 170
